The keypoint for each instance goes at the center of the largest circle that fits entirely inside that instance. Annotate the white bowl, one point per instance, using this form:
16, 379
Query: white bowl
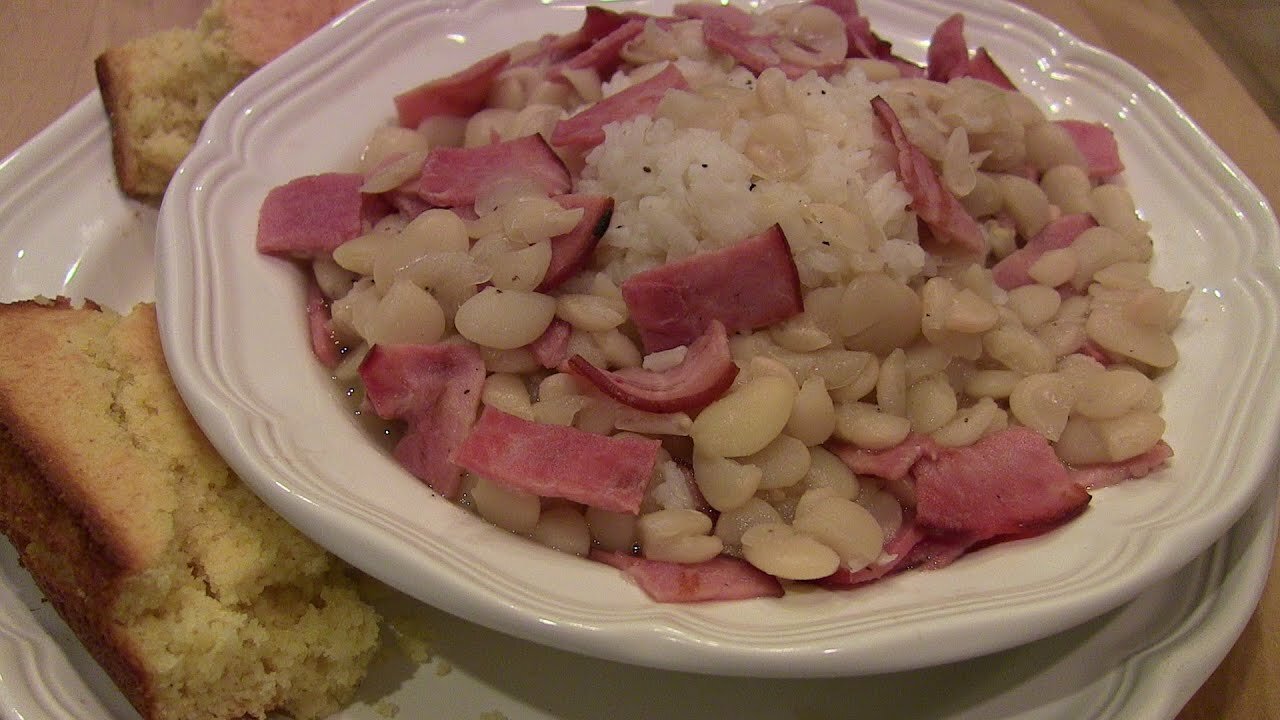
235, 336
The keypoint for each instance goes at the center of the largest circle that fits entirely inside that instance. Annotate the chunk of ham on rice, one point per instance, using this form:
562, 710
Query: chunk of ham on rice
748, 285
585, 130
933, 202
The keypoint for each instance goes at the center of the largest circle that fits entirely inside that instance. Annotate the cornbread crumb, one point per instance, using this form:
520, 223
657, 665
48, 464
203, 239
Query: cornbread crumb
158, 90
195, 597
413, 636
443, 667
386, 708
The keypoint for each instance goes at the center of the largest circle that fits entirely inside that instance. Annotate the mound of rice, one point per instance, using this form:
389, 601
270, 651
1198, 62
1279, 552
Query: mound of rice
679, 190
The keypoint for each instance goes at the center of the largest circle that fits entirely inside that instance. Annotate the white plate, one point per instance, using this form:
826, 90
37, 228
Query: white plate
64, 229
235, 338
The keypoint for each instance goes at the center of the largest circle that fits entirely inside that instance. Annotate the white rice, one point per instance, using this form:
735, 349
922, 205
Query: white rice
679, 191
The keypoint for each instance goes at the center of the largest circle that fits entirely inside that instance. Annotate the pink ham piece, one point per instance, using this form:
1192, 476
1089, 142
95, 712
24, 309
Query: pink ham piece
949, 222
585, 130
1092, 477
610, 473
455, 177
551, 349
983, 67
436, 390
1097, 144
936, 552
948, 54
704, 375
755, 52
948, 57
1011, 272
310, 216
571, 252
555, 50
857, 29
1007, 484
460, 95
323, 343
748, 285
604, 55
893, 557
891, 464
720, 578
1095, 351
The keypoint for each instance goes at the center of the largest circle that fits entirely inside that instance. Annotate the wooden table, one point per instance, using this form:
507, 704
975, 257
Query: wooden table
47, 64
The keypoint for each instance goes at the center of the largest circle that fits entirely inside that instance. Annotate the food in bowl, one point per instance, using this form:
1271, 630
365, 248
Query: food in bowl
733, 301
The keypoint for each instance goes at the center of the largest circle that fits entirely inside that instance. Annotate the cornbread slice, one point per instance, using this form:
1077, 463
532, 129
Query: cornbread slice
196, 598
158, 90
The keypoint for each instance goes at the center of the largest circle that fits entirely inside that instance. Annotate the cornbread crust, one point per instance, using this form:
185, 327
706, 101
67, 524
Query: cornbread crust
197, 600
158, 90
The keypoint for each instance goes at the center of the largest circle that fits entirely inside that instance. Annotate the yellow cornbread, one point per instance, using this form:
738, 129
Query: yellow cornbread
158, 90
197, 599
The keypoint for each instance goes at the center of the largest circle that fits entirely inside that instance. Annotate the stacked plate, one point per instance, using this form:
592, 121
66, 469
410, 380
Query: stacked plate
1065, 625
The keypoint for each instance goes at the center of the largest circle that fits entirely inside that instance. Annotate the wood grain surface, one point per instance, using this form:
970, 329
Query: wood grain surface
47, 49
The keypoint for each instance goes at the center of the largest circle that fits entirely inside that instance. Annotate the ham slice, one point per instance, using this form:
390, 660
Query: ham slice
857, 29
310, 216
748, 285
1007, 484
555, 50
455, 177
948, 57
1011, 272
323, 342
891, 464
893, 557
1092, 477
935, 552
585, 130
460, 95
604, 54
1091, 348
983, 67
571, 252
948, 54
551, 349
945, 217
755, 52
610, 473
436, 390
1097, 144
704, 375
720, 578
